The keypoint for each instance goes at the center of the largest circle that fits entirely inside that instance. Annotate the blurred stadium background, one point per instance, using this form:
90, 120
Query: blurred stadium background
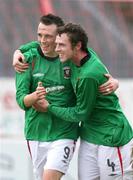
109, 25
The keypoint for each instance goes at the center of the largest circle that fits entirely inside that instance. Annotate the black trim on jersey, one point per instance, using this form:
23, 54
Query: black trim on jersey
46, 57
85, 59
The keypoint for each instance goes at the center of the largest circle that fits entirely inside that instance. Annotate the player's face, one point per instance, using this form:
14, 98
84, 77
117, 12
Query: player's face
46, 37
64, 48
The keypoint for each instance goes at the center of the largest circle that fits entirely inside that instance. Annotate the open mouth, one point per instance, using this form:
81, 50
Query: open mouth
45, 47
61, 55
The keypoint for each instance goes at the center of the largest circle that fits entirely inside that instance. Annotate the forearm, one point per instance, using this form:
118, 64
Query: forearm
66, 114
38, 95
26, 47
84, 105
30, 99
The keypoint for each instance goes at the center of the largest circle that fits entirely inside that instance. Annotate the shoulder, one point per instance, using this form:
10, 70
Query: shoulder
94, 65
31, 54
94, 69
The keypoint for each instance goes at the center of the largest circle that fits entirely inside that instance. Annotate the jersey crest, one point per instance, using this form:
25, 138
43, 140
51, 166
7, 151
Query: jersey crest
67, 72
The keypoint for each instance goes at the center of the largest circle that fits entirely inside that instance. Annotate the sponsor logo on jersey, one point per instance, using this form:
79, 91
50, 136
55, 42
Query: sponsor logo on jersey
67, 72
54, 88
38, 75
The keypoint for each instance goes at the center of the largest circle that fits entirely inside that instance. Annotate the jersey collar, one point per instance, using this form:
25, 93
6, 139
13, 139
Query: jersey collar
46, 57
85, 59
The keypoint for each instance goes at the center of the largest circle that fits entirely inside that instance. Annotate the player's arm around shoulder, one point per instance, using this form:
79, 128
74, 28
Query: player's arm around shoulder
19, 62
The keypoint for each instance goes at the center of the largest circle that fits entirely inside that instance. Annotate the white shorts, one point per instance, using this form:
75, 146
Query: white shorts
97, 162
54, 155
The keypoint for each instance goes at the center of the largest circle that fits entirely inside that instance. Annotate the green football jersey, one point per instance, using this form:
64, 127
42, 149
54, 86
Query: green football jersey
103, 121
55, 77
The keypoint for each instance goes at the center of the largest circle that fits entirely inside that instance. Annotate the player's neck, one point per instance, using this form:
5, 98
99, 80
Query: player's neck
51, 54
78, 56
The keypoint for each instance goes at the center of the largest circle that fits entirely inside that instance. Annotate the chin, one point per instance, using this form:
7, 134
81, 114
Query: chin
45, 51
63, 60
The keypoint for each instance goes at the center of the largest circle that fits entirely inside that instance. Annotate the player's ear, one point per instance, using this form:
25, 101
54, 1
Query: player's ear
78, 46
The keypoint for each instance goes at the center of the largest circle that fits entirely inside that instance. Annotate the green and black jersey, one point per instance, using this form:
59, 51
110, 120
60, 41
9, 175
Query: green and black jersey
103, 121
55, 77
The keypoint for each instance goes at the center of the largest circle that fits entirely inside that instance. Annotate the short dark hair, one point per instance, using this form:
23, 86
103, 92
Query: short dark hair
75, 33
52, 19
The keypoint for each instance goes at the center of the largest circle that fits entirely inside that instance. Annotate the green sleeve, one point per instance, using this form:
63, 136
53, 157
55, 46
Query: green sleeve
86, 97
23, 81
24, 48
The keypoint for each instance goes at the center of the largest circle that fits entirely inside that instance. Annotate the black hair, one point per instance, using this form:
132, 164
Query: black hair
52, 19
75, 33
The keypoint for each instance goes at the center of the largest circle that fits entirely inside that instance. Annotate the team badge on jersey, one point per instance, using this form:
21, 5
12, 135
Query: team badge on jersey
67, 72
